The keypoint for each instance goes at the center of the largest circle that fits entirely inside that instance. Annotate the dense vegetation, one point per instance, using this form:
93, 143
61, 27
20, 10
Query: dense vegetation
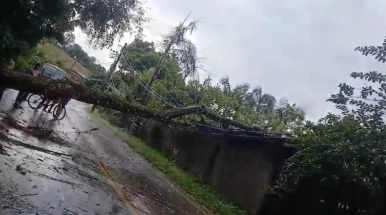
339, 167
340, 160
240, 103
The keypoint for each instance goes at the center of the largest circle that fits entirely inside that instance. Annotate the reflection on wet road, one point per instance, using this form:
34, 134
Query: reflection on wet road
68, 167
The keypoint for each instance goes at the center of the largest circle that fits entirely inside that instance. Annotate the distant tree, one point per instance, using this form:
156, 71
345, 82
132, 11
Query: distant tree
69, 38
76, 51
226, 86
289, 116
242, 104
176, 45
141, 55
263, 103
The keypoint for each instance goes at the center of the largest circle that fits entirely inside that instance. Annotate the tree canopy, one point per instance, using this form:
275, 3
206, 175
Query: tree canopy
24, 23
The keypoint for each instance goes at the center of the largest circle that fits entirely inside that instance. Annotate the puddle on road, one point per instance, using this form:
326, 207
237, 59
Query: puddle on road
38, 175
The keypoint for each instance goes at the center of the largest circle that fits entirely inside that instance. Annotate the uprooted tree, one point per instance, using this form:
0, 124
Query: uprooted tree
67, 89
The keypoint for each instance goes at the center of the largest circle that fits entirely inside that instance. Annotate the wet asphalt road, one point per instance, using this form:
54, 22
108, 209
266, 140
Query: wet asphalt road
77, 172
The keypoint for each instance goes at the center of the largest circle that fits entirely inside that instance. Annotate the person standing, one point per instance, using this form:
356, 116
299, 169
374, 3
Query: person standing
35, 70
22, 96
6, 64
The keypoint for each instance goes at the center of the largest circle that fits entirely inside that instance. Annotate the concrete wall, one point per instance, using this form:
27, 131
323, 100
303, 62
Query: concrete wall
236, 166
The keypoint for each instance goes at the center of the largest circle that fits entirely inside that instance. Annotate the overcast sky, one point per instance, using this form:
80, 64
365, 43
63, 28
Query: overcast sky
299, 49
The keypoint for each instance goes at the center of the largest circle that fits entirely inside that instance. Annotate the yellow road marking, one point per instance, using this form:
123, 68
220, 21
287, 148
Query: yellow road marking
127, 199
122, 196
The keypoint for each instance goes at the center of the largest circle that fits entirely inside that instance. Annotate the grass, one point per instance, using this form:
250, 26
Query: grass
203, 194
58, 57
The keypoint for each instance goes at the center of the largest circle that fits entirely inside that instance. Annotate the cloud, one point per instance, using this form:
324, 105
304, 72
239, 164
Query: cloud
299, 49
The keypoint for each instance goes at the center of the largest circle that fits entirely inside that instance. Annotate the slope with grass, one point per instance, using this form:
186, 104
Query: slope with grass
55, 55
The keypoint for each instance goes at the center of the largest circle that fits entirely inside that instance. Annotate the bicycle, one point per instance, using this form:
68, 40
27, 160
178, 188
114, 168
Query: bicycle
36, 101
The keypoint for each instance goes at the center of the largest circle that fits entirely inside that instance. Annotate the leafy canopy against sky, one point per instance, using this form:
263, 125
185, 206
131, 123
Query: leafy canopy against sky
299, 49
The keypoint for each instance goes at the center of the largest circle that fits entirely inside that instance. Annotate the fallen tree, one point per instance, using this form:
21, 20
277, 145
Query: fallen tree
68, 89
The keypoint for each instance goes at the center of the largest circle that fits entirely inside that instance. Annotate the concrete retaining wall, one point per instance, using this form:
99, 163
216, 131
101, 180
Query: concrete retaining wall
238, 167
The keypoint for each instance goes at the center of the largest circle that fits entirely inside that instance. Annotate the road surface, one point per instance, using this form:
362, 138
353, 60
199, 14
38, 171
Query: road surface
73, 171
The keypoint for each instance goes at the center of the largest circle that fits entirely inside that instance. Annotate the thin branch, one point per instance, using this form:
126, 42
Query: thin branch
372, 100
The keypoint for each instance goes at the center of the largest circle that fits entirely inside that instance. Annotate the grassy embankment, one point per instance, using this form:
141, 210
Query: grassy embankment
201, 193
60, 58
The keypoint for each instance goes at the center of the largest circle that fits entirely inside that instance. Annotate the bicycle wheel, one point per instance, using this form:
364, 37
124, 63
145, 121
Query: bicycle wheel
59, 115
35, 101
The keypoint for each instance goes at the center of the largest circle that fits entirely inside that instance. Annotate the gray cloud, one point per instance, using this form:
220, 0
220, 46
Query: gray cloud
298, 49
